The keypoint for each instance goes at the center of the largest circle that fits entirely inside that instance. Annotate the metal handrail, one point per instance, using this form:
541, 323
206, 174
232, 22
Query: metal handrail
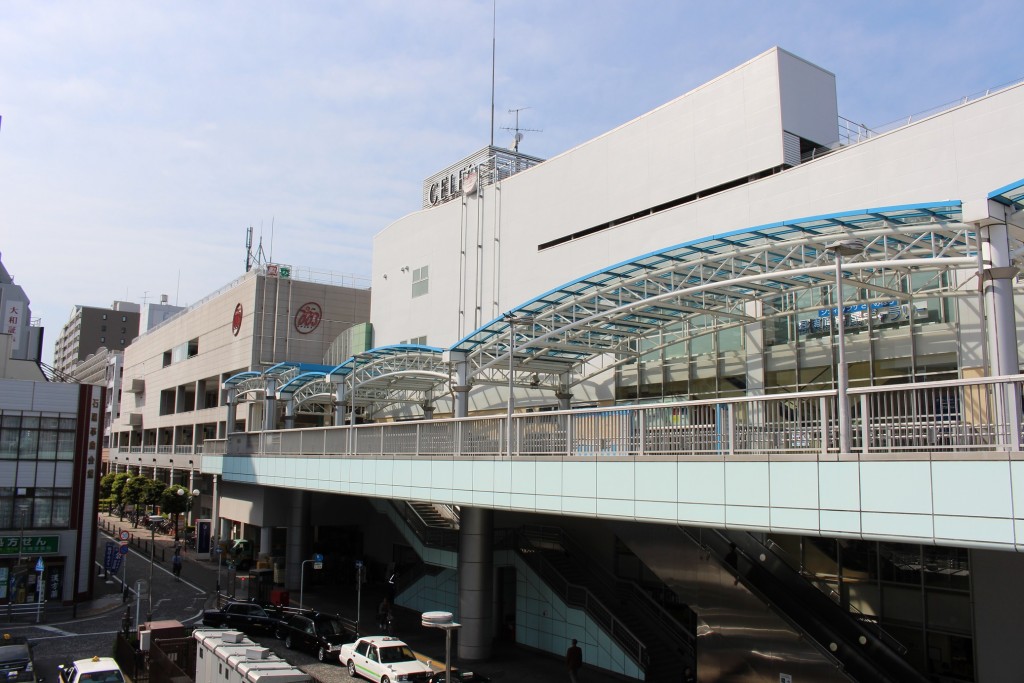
823, 586
927, 417
640, 598
581, 596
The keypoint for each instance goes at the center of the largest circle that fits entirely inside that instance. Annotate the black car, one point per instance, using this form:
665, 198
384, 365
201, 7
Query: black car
16, 660
247, 617
323, 634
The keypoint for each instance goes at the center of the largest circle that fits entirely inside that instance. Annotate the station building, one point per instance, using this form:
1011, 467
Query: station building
170, 387
734, 386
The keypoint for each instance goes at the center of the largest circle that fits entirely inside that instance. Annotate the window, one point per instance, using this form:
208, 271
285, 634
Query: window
103, 328
122, 341
124, 330
103, 339
419, 341
420, 281
104, 316
124, 318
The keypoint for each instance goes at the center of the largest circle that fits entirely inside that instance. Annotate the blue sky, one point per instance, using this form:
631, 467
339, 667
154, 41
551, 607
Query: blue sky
139, 140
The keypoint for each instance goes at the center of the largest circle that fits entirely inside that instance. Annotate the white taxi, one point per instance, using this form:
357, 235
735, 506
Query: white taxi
95, 670
384, 659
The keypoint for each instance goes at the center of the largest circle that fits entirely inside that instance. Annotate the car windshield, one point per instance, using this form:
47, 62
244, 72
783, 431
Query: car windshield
329, 627
103, 677
398, 653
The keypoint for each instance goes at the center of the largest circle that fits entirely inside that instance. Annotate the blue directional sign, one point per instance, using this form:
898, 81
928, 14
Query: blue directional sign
112, 557
318, 557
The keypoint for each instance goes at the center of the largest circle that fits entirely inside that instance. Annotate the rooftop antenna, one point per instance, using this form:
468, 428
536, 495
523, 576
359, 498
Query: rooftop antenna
248, 249
519, 131
256, 258
494, 39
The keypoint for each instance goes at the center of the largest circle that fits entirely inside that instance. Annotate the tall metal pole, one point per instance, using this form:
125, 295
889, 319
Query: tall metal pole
302, 580
511, 372
840, 249
152, 558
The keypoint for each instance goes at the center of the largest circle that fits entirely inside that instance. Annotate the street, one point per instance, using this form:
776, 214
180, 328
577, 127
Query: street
64, 639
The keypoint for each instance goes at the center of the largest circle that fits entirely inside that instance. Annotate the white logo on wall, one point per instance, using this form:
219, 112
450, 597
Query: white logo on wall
785, 678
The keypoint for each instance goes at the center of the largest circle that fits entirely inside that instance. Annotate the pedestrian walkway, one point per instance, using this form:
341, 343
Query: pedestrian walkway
508, 662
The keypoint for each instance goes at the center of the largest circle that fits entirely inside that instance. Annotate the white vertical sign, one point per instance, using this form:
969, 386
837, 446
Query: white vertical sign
14, 318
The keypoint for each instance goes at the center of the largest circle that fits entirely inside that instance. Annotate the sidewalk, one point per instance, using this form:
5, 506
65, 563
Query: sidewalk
508, 661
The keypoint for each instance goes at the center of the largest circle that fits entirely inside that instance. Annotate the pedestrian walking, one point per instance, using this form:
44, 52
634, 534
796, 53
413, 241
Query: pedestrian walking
574, 661
176, 566
383, 609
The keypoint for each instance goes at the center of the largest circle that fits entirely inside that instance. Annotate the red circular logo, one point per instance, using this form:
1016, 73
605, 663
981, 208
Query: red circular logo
308, 318
236, 320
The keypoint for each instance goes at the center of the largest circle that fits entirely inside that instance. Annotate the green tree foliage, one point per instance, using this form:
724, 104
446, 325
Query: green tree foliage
117, 488
134, 492
107, 484
154, 492
175, 500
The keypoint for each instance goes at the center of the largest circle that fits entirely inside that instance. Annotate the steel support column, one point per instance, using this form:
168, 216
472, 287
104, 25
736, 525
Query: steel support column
476, 570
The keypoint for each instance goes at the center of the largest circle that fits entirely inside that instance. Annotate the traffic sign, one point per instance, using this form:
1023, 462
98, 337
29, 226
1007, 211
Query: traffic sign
124, 549
125, 535
318, 557
39, 565
318, 565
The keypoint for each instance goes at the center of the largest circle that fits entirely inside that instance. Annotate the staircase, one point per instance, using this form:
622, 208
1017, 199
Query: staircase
431, 516
660, 645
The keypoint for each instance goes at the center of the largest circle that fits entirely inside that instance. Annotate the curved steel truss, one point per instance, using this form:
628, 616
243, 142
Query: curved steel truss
570, 334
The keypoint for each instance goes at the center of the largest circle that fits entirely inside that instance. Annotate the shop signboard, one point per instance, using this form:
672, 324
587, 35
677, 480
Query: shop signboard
29, 544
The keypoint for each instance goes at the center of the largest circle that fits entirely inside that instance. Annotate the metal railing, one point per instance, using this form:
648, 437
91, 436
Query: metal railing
961, 416
579, 596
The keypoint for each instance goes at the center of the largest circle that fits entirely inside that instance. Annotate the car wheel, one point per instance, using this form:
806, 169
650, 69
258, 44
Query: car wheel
279, 634
385, 679
288, 641
351, 668
321, 653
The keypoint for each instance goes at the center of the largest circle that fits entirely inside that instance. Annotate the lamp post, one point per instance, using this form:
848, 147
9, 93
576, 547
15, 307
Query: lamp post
152, 561
442, 620
352, 400
512, 321
839, 250
23, 507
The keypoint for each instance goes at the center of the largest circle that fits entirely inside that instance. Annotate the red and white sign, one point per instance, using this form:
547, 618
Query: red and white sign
236, 320
308, 318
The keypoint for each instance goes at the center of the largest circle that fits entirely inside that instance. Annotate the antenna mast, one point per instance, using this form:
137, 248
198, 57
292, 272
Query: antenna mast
494, 41
519, 131
253, 259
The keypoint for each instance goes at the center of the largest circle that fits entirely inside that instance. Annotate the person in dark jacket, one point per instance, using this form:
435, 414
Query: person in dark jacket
574, 661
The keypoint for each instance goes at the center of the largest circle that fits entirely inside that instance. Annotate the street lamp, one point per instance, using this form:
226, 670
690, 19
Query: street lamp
512, 321
839, 250
152, 561
352, 400
22, 508
442, 620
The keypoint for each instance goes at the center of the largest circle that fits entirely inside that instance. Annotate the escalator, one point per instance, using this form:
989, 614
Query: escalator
864, 651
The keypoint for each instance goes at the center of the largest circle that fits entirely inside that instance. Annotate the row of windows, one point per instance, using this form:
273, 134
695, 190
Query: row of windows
37, 437
124, 318
48, 508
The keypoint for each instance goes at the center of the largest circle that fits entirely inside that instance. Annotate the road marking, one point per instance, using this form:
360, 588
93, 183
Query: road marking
54, 629
78, 635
